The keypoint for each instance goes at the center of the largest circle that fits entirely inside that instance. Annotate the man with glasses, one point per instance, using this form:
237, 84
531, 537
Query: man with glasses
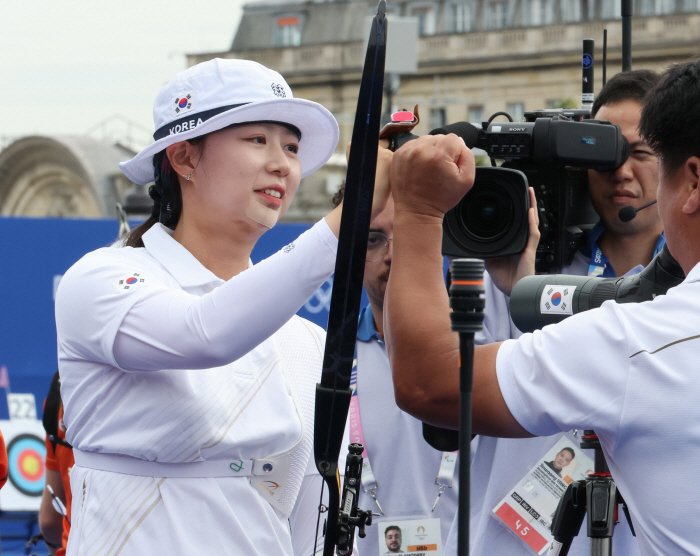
403, 475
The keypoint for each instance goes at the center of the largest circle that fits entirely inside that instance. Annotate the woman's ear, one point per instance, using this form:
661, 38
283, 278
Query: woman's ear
183, 157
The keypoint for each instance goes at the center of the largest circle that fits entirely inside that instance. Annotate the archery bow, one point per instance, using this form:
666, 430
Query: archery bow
333, 392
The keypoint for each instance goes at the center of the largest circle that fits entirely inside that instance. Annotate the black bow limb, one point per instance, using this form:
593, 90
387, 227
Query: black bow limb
333, 392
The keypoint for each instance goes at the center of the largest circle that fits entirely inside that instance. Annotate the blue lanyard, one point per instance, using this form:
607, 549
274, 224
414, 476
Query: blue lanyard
600, 265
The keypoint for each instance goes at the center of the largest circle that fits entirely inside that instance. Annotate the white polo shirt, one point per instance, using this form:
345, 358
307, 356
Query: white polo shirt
162, 361
404, 464
498, 464
629, 372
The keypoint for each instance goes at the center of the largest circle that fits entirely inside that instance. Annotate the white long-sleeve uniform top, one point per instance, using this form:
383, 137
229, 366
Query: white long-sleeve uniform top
181, 367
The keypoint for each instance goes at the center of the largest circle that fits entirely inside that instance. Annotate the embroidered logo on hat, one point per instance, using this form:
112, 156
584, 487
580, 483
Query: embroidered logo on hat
183, 103
278, 90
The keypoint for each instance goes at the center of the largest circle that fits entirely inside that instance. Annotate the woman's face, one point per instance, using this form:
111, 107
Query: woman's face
247, 174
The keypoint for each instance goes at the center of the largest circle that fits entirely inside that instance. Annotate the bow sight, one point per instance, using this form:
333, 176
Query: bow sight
350, 515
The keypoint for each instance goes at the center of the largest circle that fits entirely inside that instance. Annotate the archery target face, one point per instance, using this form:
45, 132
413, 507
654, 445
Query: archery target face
26, 455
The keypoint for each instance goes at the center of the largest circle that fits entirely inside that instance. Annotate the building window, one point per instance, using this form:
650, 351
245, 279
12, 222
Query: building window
497, 14
665, 7
426, 18
570, 11
539, 12
460, 17
611, 10
516, 110
288, 30
646, 7
437, 118
476, 114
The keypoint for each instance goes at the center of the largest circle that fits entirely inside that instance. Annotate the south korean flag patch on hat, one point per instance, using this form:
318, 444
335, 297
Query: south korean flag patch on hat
129, 282
183, 104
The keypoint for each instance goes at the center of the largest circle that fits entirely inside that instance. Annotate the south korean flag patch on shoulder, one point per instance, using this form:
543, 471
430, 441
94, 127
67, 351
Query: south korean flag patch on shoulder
130, 282
183, 103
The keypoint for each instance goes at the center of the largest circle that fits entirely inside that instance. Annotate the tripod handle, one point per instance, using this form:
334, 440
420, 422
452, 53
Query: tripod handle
568, 518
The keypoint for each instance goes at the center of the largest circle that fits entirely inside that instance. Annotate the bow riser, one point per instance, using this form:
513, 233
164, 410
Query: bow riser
333, 393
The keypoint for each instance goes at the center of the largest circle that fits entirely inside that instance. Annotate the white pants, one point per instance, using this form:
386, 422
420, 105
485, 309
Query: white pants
122, 514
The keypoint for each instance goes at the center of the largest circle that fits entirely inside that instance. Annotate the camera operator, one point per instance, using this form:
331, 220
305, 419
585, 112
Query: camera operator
614, 248
626, 371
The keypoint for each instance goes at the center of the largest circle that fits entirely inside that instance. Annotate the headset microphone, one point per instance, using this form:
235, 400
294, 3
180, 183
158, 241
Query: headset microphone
628, 213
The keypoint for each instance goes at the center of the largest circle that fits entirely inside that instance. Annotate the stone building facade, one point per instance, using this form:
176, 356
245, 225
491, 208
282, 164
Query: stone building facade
475, 57
62, 176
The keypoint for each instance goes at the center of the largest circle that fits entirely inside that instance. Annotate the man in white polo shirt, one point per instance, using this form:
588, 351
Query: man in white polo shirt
614, 248
561, 378
411, 485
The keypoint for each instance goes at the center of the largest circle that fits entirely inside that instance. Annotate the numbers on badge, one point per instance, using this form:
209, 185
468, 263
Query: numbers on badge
525, 529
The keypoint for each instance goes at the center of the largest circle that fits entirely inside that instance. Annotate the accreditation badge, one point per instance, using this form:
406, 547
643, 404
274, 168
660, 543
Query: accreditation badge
528, 509
410, 537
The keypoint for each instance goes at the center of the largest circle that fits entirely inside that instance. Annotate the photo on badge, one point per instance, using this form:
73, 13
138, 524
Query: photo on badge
409, 537
527, 510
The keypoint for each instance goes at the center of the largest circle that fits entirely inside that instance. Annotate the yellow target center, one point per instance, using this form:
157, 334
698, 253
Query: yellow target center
31, 465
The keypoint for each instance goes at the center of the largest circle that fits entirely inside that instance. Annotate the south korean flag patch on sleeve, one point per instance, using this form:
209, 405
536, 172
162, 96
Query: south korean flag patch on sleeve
129, 282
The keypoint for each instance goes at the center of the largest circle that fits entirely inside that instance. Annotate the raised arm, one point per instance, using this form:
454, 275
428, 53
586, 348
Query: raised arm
155, 326
429, 176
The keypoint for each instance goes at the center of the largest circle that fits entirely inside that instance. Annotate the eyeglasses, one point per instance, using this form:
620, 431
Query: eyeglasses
377, 247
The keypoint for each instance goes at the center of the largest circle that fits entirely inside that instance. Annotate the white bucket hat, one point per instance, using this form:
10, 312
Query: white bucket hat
218, 93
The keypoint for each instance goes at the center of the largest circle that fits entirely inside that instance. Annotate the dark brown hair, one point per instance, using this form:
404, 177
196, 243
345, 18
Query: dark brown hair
338, 197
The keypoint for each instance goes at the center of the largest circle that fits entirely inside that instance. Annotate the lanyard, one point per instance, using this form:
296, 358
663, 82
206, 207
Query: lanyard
599, 262
448, 462
600, 265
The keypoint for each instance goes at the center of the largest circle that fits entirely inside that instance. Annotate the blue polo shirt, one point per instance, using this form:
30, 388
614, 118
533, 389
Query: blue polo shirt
366, 330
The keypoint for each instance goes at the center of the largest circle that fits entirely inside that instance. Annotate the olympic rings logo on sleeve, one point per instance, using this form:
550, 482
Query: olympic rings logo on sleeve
321, 299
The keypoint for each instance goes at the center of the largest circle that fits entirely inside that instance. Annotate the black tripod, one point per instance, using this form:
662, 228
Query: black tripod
598, 497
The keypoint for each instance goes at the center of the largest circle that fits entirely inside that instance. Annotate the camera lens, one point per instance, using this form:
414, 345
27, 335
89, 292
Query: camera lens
486, 212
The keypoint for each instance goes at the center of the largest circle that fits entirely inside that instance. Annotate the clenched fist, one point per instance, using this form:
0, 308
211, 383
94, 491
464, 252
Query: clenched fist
430, 175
